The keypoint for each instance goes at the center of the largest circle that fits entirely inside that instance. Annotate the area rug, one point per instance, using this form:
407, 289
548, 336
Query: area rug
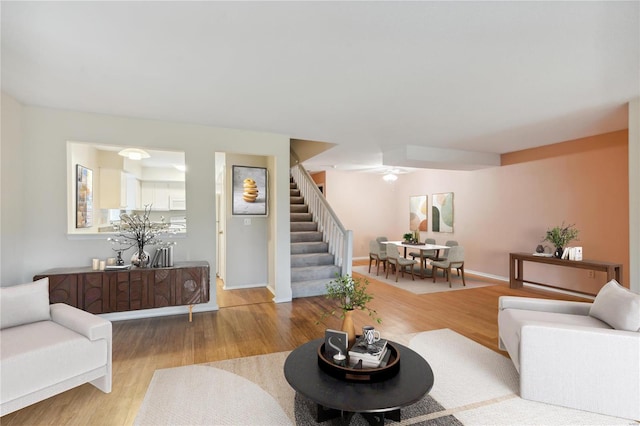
420, 286
473, 386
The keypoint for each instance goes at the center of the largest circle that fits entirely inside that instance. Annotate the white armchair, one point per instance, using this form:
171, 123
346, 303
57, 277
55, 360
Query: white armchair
48, 349
574, 354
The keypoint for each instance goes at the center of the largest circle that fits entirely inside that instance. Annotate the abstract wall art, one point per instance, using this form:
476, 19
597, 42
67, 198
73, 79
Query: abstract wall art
442, 212
418, 213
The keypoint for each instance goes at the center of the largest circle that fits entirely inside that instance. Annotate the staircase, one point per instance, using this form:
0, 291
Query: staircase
312, 266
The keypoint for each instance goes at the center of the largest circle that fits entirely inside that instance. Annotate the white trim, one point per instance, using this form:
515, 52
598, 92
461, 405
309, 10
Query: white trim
263, 285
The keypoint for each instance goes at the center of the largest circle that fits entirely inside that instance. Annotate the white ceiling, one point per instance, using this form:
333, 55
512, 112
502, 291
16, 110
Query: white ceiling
371, 77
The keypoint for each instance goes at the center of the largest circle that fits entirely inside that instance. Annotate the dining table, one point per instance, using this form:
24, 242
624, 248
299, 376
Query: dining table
418, 246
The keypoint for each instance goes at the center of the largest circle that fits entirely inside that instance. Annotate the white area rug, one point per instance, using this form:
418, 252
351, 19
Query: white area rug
473, 386
420, 286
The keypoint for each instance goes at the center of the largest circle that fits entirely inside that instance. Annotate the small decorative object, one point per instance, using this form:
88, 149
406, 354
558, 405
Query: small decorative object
350, 294
138, 231
560, 236
340, 359
540, 249
409, 237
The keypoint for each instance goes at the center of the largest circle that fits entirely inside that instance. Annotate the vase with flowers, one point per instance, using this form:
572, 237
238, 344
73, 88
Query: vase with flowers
349, 294
560, 236
138, 231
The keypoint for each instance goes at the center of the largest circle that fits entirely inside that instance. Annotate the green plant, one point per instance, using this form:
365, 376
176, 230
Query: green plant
408, 236
350, 294
561, 235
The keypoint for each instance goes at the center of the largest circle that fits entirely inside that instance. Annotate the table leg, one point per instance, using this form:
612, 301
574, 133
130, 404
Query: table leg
190, 313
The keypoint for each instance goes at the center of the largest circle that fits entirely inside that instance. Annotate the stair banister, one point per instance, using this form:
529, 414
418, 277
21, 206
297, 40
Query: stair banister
339, 239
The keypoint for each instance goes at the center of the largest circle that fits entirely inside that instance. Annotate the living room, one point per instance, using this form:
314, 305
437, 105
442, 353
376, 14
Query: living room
590, 180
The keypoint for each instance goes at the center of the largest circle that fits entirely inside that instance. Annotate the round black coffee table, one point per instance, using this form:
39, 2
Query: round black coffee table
375, 401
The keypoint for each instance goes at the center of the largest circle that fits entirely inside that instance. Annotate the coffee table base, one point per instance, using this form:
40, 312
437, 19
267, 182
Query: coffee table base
374, 419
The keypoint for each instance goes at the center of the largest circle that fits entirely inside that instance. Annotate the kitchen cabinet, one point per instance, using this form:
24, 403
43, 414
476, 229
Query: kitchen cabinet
99, 292
118, 190
161, 194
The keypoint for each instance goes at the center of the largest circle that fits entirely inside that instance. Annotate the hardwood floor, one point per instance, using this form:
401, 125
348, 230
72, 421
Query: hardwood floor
251, 325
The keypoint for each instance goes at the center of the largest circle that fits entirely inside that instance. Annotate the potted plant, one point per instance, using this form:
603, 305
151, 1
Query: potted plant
349, 294
408, 237
560, 236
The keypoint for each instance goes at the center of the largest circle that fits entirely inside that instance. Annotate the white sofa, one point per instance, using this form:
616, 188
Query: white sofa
574, 354
48, 349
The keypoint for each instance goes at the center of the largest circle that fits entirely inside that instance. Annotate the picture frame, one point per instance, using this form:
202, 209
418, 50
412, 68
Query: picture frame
84, 197
418, 213
249, 196
442, 212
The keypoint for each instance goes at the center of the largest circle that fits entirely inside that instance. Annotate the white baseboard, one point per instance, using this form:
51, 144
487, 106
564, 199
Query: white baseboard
159, 312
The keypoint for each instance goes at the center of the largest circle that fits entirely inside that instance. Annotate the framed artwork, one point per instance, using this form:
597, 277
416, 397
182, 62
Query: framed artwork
249, 191
84, 197
418, 213
442, 212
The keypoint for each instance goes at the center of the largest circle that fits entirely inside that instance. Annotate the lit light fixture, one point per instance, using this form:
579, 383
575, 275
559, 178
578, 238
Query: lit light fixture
390, 177
134, 153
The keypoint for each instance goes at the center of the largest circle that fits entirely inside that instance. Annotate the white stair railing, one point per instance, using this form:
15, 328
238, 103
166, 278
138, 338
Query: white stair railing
339, 239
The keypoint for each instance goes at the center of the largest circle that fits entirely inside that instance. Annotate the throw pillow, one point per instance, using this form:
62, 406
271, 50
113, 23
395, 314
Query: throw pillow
617, 306
24, 303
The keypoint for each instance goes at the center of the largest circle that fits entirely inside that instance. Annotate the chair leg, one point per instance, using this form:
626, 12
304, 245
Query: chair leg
434, 270
370, 260
448, 273
387, 276
461, 272
401, 270
413, 277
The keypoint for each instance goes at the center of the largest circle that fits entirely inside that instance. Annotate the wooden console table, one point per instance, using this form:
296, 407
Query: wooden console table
516, 269
99, 292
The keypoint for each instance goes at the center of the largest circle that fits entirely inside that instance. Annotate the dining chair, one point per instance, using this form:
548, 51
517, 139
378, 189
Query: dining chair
377, 257
424, 254
383, 247
455, 260
399, 263
445, 253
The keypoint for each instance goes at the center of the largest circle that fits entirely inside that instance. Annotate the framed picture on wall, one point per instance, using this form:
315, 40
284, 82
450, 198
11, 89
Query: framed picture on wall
442, 212
249, 191
84, 197
418, 213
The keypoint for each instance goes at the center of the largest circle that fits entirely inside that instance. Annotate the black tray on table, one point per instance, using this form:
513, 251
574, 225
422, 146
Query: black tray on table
363, 374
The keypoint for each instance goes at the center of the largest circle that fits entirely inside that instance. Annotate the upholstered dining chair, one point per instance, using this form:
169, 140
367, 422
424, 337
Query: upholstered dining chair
383, 247
399, 263
376, 257
424, 254
455, 260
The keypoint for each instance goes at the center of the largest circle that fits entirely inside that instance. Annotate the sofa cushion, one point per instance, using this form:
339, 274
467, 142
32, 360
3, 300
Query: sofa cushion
617, 306
38, 355
24, 303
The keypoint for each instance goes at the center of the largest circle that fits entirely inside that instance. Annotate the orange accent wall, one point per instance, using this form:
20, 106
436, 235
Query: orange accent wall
509, 208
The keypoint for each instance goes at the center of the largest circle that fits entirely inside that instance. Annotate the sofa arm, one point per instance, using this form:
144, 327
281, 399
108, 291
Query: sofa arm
91, 326
544, 305
585, 368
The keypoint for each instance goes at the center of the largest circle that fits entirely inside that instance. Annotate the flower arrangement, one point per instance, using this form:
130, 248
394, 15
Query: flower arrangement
138, 231
561, 235
350, 294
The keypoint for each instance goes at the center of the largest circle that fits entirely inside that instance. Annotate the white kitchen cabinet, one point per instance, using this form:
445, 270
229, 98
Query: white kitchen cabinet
160, 194
118, 190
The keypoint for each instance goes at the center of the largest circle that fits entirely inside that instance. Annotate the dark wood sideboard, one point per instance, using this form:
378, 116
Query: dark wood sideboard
100, 292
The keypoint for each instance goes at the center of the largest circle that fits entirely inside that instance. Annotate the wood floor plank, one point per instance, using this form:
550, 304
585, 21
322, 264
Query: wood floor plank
252, 324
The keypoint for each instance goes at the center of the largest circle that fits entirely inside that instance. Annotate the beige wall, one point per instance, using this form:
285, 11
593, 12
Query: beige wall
509, 208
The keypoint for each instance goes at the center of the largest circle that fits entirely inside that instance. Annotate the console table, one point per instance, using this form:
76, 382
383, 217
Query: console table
99, 292
516, 268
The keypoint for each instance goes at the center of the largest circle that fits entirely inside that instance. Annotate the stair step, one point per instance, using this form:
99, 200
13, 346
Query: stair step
294, 192
309, 288
308, 273
301, 217
296, 200
306, 236
309, 247
303, 226
311, 259
299, 208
